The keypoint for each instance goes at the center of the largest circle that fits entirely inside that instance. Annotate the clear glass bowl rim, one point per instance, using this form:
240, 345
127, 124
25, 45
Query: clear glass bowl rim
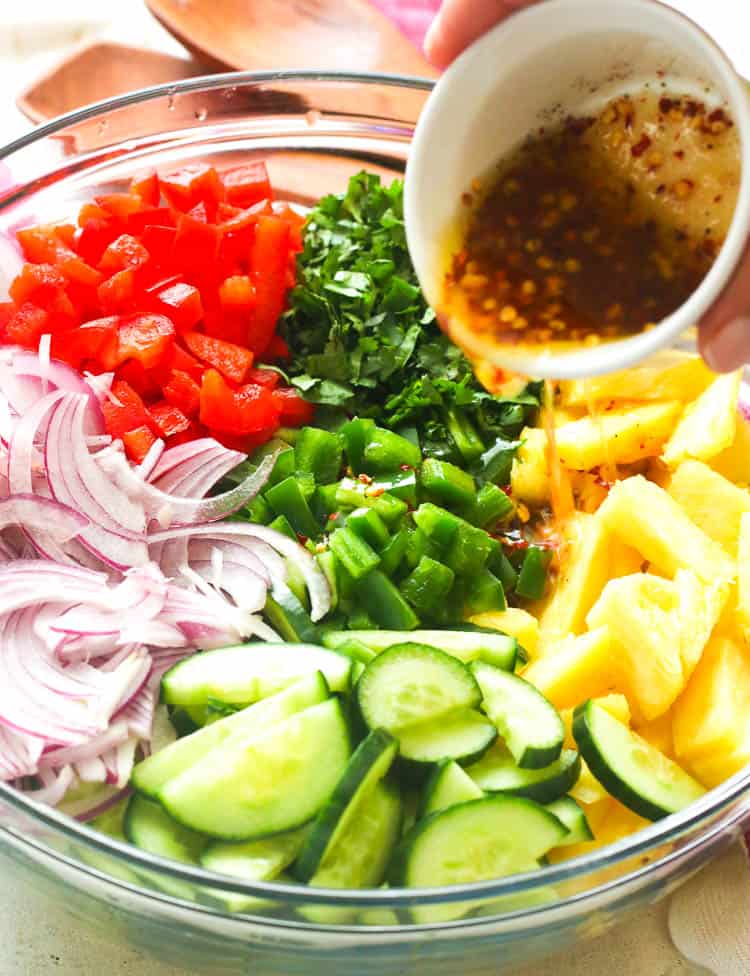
668, 830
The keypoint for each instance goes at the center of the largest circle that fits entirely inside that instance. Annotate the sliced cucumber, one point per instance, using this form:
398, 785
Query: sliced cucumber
463, 735
410, 684
486, 838
572, 816
251, 786
633, 771
344, 812
449, 784
529, 724
467, 645
149, 827
497, 772
150, 775
247, 673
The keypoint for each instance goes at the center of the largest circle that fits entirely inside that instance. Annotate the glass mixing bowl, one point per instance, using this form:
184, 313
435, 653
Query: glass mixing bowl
314, 131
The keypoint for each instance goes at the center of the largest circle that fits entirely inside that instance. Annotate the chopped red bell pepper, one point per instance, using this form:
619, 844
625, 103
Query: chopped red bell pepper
147, 188
74, 346
182, 391
237, 292
26, 326
120, 204
231, 360
196, 246
179, 358
43, 245
247, 184
94, 238
247, 410
138, 442
124, 410
268, 262
45, 286
146, 338
277, 349
293, 410
182, 303
193, 185
124, 252
143, 381
137, 222
117, 294
263, 377
169, 419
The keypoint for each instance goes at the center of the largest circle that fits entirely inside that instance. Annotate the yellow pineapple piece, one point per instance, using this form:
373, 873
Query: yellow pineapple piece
530, 474
708, 426
576, 668
645, 517
669, 375
734, 462
699, 608
516, 623
714, 768
588, 790
713, 503
710, 716
589, 490
658, 733
743, 574
589, 558
638, 611
609, 820
616, 705
619, 436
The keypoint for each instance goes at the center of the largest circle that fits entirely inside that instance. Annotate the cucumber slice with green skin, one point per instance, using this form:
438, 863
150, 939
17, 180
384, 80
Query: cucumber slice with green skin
149, 827
150, 775
340, 818
529, 724
486, 838
254, 860
248, 673
629, 768
466, 645
410, 684
354, 649
497, 772
449, 784
572, 816
464, 735
257, 785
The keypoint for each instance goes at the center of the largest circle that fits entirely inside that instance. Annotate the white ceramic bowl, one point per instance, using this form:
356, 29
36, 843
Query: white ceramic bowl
561, 58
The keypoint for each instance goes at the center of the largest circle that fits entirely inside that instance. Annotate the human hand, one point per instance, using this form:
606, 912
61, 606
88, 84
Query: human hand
724, 333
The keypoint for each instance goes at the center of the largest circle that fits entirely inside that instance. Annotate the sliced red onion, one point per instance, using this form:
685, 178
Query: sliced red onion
54, 788
22, 383
91, 801
151, 459
181, 462
42, 515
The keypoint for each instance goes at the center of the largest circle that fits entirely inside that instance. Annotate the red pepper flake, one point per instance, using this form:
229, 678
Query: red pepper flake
666, 104
680, 154
302, 539
641, 146
467, 199
406, 467
661, 188
375, 492
333, 516
364, 478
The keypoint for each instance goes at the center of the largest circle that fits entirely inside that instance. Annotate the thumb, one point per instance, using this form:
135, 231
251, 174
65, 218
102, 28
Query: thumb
460, 22
724, 333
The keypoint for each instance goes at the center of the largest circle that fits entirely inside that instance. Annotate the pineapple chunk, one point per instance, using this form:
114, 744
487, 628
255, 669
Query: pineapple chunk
576, 669
710, 716
638, 611
645, 517
708, 425
743, 576
618, 437
609, 820
713, 503
734, 462
659, 734
699, 608
514, 622
587, 790
589, 559
714, 768
616, 705
530, 474
669, 375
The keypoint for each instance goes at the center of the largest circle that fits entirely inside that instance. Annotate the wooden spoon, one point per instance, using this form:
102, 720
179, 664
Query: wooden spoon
343, 35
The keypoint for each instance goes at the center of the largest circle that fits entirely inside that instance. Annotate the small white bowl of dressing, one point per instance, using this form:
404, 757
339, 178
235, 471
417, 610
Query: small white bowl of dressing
573, 60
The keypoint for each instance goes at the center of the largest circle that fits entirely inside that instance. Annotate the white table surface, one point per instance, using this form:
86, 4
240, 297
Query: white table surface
33, 34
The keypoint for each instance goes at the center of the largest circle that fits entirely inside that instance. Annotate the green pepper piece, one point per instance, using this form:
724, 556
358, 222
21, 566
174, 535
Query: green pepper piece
355, 555
499, 564
533, 575
257, 511
495, 463
281, 524
465, 437
353, 494
469, 551
324, 500
427, 585
419, 544
484, 593
369, 526
384, 451
382, 601
360, 619
319, 453
286, 498
355, 434
288, 617
447, 483
283, 468
329, 565
490, 506
436, 523
392, 554
401, 484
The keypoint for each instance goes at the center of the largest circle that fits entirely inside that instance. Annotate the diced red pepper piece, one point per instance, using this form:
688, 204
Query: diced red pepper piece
277, 349
194, 430
199, 212
146, 338
263, 377
182, 303
247, 184
183, 392
231, 360
179, 358
120, 204
246, 218
169, 419
237, 291
7, 310
147, 188
124, 252
225, 211
195, 184
159, 240
41, 245
293, 410
268, 262
138, 443
95, 237
74, 346
195, 246
296, 223
117, 294
26, 326
247, 410
124, 410
136, 223
92, 211
143, 381
45, 286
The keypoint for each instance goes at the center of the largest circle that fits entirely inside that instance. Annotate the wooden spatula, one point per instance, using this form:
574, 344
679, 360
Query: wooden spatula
342, 35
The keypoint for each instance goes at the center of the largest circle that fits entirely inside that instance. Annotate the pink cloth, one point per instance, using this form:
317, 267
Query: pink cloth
412, 17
